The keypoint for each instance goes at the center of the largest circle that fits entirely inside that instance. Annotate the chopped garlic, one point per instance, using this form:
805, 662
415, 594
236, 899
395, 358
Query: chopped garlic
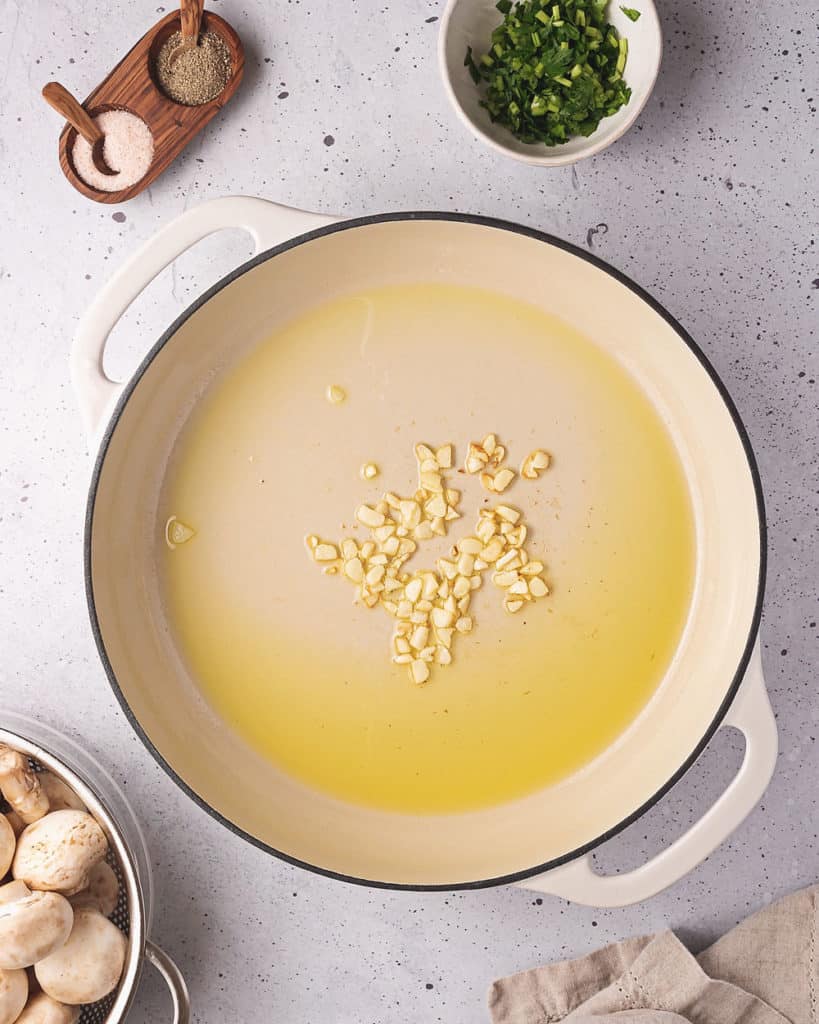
430, 607
444, 636
431, 481
354, 570
419, 637
485, 530
325, 552
461, 587
469, 546
493, 550
369, 516
374, 575
511, 515
534, 464
444, 456
436, 506
533, 568
423, 531
442, 618
420, 671
466, 563
369, 471
336, 394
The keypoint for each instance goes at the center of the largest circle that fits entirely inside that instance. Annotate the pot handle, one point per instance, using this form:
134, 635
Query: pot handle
752, 714
173, 977
268, 224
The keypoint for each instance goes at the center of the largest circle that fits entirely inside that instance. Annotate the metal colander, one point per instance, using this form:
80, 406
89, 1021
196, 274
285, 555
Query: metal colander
49, 750
99, 1013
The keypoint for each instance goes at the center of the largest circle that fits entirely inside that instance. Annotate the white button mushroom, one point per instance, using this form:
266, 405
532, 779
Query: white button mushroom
60, 796
42, 1009
102, 892
16, 822
13, 995
13, 891
89, 965
58, 852
8, 842
32, 927
20, 785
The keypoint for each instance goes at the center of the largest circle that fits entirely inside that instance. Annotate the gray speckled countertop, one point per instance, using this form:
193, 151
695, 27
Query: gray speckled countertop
710, 203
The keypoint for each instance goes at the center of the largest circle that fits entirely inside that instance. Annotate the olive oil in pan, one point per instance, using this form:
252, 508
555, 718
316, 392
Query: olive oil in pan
303, 675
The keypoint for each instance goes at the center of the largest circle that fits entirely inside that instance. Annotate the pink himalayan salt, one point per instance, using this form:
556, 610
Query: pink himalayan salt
128, 149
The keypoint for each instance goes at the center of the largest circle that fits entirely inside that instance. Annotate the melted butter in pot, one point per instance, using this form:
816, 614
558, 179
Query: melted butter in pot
302, 674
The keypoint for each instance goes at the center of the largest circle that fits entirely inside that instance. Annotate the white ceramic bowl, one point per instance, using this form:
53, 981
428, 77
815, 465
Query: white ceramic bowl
471, 22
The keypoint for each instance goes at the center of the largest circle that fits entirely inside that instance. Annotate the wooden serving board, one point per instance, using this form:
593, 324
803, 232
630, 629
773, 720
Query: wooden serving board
131, 86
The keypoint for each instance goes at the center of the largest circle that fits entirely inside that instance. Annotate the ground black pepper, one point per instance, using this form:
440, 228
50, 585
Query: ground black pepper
199, 73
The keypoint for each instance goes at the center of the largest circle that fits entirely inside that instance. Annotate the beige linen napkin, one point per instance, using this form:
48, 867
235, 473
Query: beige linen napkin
764, 971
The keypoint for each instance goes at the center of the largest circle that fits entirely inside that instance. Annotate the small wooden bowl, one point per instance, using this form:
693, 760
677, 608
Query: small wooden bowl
131, 86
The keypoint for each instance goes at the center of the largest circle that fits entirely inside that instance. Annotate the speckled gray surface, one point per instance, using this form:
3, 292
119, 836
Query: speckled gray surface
710, 203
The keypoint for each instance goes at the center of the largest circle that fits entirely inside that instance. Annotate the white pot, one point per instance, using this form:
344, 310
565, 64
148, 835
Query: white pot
715, 678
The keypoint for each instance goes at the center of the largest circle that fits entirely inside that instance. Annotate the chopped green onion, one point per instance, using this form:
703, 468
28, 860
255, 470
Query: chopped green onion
549, 76
630, 13
469, 63
621, 60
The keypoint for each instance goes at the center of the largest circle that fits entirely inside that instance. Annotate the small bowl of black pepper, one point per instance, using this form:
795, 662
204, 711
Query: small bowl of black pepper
192, 75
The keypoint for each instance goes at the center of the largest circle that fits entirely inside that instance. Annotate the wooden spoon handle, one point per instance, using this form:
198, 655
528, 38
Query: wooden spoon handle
190, 12
58, 97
